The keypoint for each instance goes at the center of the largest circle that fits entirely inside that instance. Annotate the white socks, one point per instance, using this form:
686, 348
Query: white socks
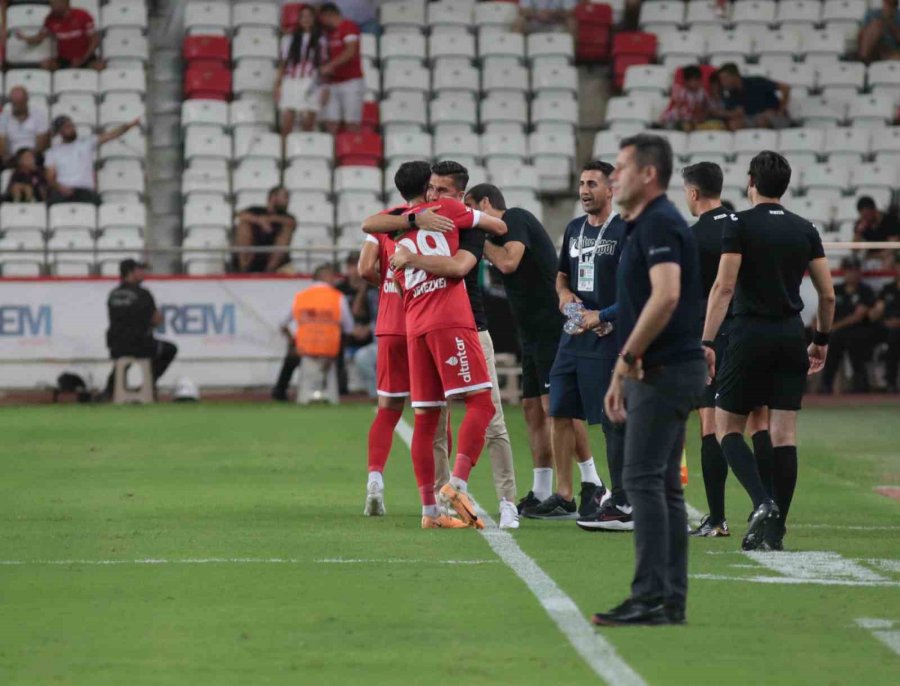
589, 472
543, 483
376, 478
459, 484
430, 511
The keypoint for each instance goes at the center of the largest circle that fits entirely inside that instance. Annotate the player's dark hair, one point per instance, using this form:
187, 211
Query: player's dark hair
652, 151
604, 168
729, 68
453, 169
706, 177
412, 178
691, 72
489, 191
865, 203
329, 8
770, 173
322, 270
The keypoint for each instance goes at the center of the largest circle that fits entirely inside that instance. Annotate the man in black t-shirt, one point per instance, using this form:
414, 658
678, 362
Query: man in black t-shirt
873, 224
702, 189
887, 313
526, 259
752, 101
132, 318
852, 332
764, 257
258, 227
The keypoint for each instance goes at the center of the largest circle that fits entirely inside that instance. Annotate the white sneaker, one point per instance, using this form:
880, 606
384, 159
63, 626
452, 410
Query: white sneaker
374, 500
509, 515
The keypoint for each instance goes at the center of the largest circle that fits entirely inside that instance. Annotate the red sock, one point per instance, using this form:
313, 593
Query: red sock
424, 430
381, 436
479, 412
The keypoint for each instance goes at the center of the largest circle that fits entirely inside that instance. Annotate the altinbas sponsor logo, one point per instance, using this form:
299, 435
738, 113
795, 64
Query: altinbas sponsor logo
462, 355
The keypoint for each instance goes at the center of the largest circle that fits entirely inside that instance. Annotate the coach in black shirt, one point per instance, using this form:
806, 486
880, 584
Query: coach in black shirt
658, 379
132, 318
764, 257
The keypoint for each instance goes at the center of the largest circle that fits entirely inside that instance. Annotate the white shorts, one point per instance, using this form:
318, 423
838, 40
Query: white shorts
346, 102
299, 93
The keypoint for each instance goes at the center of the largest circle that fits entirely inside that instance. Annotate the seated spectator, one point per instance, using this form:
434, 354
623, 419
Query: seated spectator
22, 126
297, 89
77, 39
873, 224
752, 102
70, 163
852, 332
690, 104
27, 183
879, 38
343, 71
259, 226
539, 16
886, 314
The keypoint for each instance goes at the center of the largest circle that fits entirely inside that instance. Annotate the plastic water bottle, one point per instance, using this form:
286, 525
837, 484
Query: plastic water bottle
604, 329
574, 324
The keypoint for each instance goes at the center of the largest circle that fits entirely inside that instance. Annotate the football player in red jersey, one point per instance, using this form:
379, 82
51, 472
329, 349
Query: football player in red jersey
445, 356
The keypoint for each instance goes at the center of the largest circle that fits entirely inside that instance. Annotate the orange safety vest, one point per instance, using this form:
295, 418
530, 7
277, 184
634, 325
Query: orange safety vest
317, 311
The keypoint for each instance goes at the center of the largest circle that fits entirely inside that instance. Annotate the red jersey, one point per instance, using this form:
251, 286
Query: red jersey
72, 32
391, 315
436, 302
338, 39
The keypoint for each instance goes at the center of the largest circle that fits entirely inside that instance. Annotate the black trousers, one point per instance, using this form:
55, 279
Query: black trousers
288, 366
892, 358
658, 407
78, 195
163, 354
857, 342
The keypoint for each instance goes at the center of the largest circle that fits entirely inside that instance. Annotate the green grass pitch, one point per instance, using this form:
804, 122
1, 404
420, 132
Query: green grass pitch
267, 573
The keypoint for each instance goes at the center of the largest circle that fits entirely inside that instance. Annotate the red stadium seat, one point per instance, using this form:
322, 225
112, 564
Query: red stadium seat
371, 118
594, 26
211, 82
290, 16
206, 49
634, 43
362, 149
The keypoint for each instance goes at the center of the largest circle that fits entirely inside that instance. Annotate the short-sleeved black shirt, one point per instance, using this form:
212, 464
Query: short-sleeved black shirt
660, 235
531, 289
130, 330
708, 234
776, 247
261, 237
846, 302
887, 228
890, 295
473, 242
757, 94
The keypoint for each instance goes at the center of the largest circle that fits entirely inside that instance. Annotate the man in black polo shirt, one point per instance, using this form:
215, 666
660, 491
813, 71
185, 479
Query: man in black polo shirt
702, 190
752, 101
526, 259
658, 378
132, 318
852, 332
764, 257
887, 312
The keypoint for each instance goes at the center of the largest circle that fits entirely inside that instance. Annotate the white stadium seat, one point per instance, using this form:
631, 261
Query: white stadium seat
28, 19
67, 262
354, 207
405, 76
80, 107
253, 113
28, 258
507, 145
504, 76
402, 16
651, 77
817, 209
850, 143
505, 44
405, 147
121, 108
818, 111
798, 143
451, 46
76, 81
554, 109
254, 76
72, 215
402, 46
313, 212
261, 175
118, 217
250, 144
504, 108
728, 45
875, 175
453, 109
35, 81
23, 216
826, 176
254, 43
121, 181
308, 174
123, 80
404, 110
207, 17
702, 12
516, 177
553, 154
123, 46
204, 113
456, 146
797, 75
262, 14
888, 148
798, 12
690, 44
548, 78
197, 261
207, 214
754, 140
449, 18
496, 15
130, 14
114, 247
661, 13
455, 77
849, 75
310, 145
778, 43
754, 12
710, 145
678, 141
550, 45
628, 110
206, 143
872, 110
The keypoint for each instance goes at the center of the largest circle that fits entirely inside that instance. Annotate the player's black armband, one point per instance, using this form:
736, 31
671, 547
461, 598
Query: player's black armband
820, 338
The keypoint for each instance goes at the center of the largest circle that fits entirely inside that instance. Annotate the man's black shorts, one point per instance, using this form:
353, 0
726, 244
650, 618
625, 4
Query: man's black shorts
765, 364
537, 360
709, 393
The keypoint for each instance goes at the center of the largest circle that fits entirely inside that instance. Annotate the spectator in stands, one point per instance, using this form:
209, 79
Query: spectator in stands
27, 183
22, 126
752, 102
297, 88
70, 163
887, 314
879, 38
873, 224
363, 13
852, 332
267, 226
536, 16
690, 104
343, 70
77, 39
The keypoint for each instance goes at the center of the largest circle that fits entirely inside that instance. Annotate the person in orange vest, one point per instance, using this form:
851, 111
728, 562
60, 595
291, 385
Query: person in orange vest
321, 314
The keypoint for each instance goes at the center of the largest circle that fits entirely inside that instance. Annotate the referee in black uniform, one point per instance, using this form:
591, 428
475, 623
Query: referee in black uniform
764, 257
658, 379
702, 191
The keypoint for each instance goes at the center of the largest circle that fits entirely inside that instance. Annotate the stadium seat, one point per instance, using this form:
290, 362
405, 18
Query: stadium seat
629, 43
779, 43
872, 111
204, 113
592, 40
23, 216
80, 107
463, 147
505, 145
207, 214
754, 12
356, 179
514, 177
308, 174
76, 81
405, 76
250, 144
125, 46
497, 16
196, 183
255, 14
554, 109
121, 181
816, 209
402, 47
728, 46
802, 12
505, 108
623, 109
28, 19
252, 113
206, 48
888, 145
27, 260
402, 16
450, 18
62, 258
310, 145
403, 111
72, 216
553, 154
254, 76
353, 208
404, 147
555, 46
826, 176
754, 140
260, 175
318, 217
452, 77
851, 144
661, 14
677, 139
361, 149
823, 46
850, 76
552, 78
799, 76
204, 143
120, 108
714, 146
130, 14
688, 44
131, 146
451, 47
453, 109
207, 17
652, 77
121, 218
503, 44
504, 76
874, 175
35, 81
207, 82
255, 43
205, 256
123, 80
702, 12
818, 111
802, 143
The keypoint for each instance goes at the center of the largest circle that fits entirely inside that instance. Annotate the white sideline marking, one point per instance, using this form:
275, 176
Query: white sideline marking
241, 560
890, 566
877, 626
809, 566
869, 623
595, 650
794, 581
344, 561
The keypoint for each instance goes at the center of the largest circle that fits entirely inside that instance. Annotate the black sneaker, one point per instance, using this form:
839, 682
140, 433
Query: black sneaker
591, 498
631, 613
554, 507
710, 529
529, 502
675, 613
753, 539
610, 517
773, 535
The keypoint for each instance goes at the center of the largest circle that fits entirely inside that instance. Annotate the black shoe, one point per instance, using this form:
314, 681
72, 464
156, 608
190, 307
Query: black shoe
632, 612
609, 518
710, 529
591, 498
773, 536
279, 395
753, 539
675, 614
528, 503
554, 507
